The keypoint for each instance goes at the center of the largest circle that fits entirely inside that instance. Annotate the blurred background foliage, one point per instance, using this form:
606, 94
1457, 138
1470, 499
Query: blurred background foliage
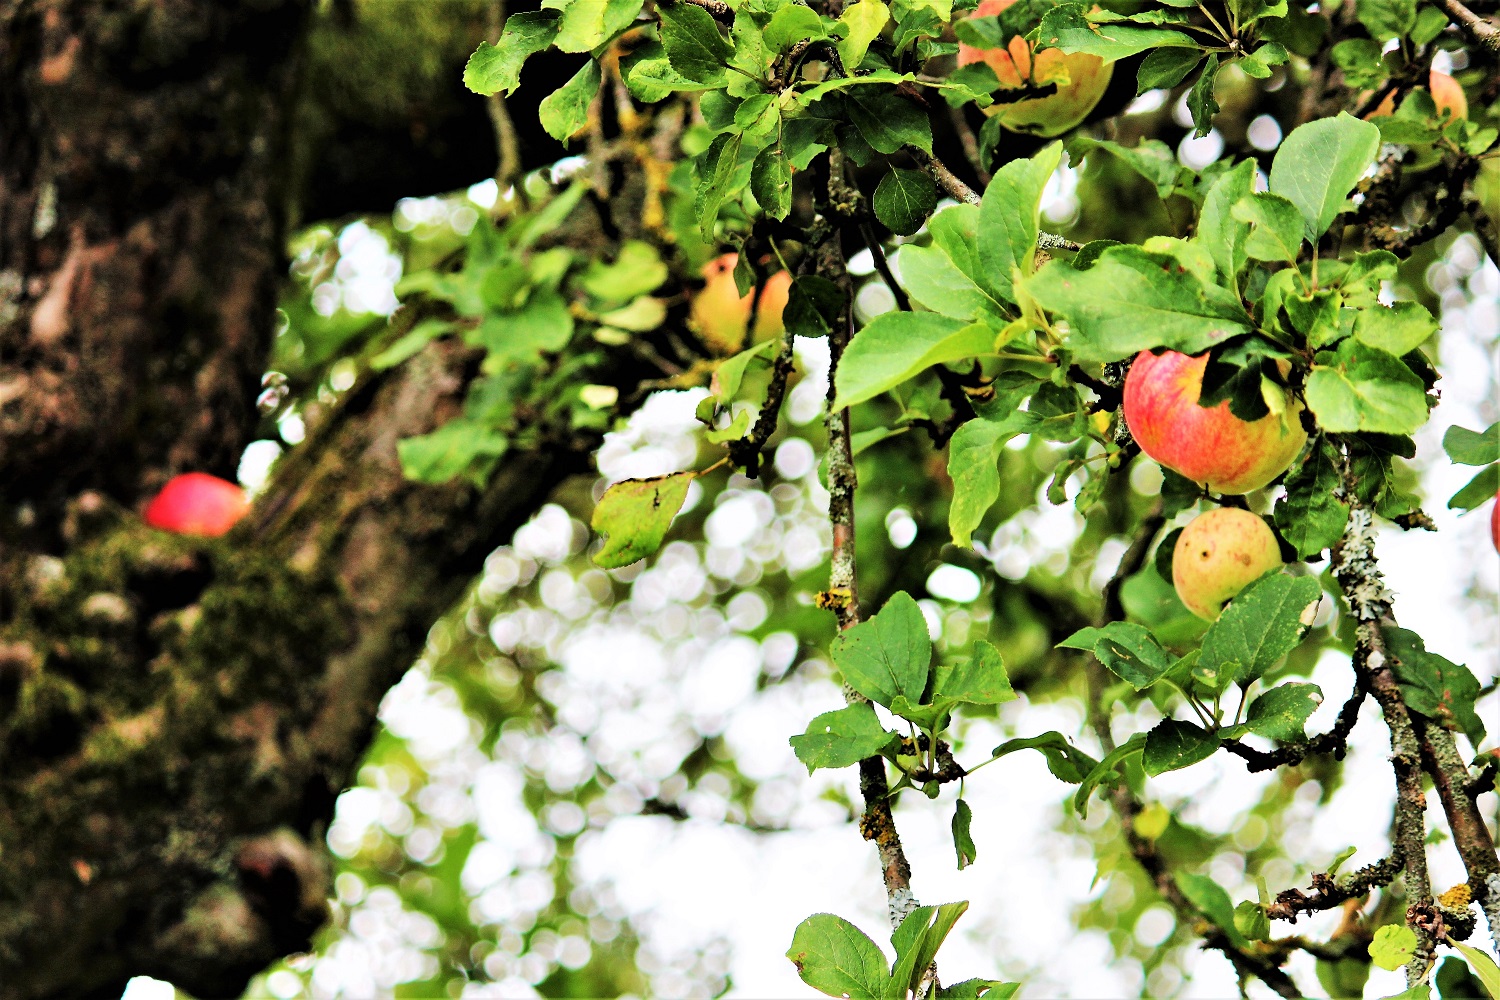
565, 722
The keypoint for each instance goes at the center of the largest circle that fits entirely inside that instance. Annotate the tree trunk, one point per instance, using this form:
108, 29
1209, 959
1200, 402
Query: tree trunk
177, 715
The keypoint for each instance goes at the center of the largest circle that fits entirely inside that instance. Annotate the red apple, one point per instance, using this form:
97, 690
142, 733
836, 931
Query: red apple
1495, 522
719, 313
1217, 554
1447, 94
196, 503
1081, 80
773, 297
1207, 444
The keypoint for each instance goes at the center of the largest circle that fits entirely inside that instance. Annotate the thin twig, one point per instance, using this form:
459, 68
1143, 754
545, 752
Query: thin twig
1335, 741
1326, 893
746, 451
969, 143
1478, 28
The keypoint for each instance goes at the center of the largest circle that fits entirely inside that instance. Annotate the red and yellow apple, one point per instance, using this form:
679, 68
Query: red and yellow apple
196, 503
1081, 80
1207, 444
1447, 94
719, 314
1218, 554
1495, 522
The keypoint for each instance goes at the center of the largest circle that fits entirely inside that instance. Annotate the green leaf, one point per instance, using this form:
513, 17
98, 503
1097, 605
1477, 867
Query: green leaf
1131, 300
1129, 650
1478, 491
1173, 745
410, 343
791, 24
886, 120
1433, 685
1212, 901
896, 346
1166, 68
979, 680
544, 326
963, 840
973, 465
1387, 19
1263, 623
695, 48
642, 314
771, 182
637, 270
917, 942
1010, 218
716, 170
1319, 164
836, 958
1483, 965
1151, 158
1393, 946
1311, 517
1282, 712
841, 738
493, 68
586, 24
566, 110
1277, 232
1361, 388
813, 305
1398, 329
635, 515
1220, 232
973, 989
1200, 100
904, 198
1108, 771
451, 451
1250, 920
1468, 447
947, 277
1064, 760
1066, 27
727, 377
1454, 980
887, 655
864, 19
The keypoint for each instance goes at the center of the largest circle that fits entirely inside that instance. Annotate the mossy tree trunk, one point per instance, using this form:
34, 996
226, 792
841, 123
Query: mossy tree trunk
178, 715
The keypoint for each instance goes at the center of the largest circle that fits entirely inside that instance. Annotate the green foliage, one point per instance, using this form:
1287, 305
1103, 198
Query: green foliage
634, 515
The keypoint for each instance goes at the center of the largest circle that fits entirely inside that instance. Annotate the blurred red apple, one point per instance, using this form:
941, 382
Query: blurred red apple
1207, 444
196, 503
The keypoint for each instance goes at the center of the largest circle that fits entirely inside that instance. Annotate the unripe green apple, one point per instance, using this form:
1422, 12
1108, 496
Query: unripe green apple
196, 503
1207, 444
1217, 554
1081, 80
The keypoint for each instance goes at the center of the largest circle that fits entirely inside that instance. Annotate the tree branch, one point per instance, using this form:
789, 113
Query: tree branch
1476, 27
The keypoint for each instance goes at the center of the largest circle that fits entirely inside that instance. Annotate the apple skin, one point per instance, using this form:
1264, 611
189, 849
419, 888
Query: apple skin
1217, 554
196, 503
1017, 65
1207, 444
719, 314
1495, 522
773, 297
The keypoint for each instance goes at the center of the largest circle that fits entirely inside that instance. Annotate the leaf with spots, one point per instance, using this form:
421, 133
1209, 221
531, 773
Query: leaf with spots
635, 515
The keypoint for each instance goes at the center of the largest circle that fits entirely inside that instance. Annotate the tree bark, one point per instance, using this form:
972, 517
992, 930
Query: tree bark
177, 715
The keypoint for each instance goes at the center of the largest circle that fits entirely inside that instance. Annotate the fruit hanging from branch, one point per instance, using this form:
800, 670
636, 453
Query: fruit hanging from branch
196, 503
1207, 444
1080, 78
719, 314
1218, 554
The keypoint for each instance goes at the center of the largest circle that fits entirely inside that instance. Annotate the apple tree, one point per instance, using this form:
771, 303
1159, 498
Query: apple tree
1218, 366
